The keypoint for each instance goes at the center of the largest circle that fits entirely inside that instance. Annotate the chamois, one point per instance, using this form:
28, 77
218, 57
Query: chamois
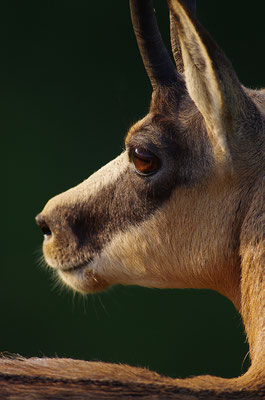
181, 207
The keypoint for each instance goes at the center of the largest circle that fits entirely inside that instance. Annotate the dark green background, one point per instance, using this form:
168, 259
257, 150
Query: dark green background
72, 82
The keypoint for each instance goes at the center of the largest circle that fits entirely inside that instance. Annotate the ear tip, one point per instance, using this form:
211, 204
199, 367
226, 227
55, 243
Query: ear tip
188, 6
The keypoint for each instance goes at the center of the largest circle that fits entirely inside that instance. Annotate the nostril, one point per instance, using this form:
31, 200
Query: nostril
40, 220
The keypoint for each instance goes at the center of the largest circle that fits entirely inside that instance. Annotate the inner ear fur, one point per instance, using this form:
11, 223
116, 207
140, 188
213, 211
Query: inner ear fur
212, 83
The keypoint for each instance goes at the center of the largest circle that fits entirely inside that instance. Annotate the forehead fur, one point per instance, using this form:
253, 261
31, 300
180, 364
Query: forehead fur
175, 131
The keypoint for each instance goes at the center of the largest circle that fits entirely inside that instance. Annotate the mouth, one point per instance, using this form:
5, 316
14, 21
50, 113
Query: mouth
78, 267
83, 277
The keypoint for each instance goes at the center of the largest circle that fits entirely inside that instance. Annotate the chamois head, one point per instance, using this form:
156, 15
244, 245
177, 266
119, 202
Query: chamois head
167, 212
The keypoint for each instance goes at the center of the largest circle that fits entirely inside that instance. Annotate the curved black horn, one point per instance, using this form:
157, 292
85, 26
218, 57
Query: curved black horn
175, 45
156, 59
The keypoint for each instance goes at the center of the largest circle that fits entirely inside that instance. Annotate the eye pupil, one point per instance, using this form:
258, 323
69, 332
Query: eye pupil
145, 162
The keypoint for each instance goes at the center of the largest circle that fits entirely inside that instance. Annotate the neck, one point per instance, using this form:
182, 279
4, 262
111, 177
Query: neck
253, 306
252, 253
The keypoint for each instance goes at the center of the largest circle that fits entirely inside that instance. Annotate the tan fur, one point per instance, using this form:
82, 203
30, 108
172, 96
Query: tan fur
178, 246
252, 249
208, 232
207, 95
92, 185
64, 260
38, 378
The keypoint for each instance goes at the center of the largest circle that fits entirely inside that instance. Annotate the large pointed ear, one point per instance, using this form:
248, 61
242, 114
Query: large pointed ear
212, 82
175, 45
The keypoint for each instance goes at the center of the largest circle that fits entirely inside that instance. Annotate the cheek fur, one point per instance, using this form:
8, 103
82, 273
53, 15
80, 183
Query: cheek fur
174, 249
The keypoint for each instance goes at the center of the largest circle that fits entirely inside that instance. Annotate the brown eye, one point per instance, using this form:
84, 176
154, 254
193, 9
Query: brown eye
145, 162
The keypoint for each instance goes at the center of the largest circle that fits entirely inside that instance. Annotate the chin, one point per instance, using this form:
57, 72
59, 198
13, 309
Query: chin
83, 279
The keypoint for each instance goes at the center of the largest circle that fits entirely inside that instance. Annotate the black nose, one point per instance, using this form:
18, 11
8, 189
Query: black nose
43, 225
